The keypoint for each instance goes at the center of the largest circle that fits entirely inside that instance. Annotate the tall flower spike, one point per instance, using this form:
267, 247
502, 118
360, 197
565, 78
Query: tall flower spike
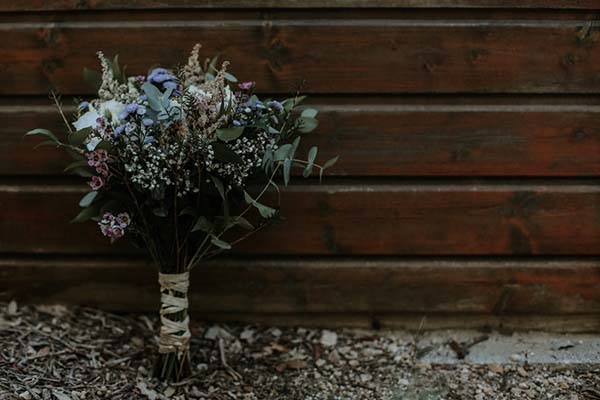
193, 72
109, 85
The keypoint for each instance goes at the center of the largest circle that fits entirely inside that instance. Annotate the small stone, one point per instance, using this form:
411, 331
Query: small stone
353, 363
334, 357
365, 378
515, 358
320, 362
328, 338
522, 372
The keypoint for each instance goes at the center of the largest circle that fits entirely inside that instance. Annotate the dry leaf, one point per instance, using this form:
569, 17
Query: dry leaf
170, 391
296, 364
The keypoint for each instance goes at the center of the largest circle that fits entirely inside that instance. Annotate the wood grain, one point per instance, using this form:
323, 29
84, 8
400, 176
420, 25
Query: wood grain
394, 138
356, 218
316, 55
69, 5
371, 286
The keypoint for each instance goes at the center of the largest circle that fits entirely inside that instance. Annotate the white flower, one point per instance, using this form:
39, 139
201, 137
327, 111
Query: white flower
111, 110
92, 143
87, 120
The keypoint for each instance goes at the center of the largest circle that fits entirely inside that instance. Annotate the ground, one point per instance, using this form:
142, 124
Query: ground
55, 352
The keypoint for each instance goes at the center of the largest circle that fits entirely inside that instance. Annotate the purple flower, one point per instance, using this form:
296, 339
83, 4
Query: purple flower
246, 85
274, 104
96, 182
114, 226
102, 169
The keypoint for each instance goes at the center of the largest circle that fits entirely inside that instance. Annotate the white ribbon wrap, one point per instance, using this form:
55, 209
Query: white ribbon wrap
174, 335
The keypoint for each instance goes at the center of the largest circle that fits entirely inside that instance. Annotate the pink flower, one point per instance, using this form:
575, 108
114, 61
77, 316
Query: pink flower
96, 182
114, 227
102, 169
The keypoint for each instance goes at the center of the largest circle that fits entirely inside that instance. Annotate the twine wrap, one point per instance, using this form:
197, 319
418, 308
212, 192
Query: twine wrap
174, 335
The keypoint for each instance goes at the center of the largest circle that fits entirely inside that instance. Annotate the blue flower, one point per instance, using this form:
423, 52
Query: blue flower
119, 130
170, 85
274, 104
160, 75
83, 105
147, 121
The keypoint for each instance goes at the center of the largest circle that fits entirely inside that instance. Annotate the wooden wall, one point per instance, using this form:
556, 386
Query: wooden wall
466, 191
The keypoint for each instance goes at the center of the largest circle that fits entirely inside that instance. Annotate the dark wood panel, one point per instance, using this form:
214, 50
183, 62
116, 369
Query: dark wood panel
403, 218
38, 5
395, 139
338, 286
392, 55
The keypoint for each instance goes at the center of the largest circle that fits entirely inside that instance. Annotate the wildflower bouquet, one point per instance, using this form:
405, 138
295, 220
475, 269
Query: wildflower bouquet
171, 159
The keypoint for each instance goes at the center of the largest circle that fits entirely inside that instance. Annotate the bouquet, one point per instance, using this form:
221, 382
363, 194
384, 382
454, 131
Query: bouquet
178, 162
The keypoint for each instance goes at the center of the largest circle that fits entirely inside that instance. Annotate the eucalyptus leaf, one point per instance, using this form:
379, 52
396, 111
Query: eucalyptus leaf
264, 211
203, 224
307, 124
312, 155
309, 113
220, 243
287, 166
242, 222
88, 199
229, 134
219, 185
225, 154
282, 152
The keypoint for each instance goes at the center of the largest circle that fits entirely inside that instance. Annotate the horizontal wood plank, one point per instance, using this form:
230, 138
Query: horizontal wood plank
317, 55
393, 139
393, 218
70, 5
320, 285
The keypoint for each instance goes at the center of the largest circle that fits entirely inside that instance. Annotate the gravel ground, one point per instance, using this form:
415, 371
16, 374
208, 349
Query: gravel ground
54, 352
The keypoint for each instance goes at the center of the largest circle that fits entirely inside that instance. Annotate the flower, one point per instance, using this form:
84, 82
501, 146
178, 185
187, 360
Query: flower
246, 85
114, 226
96, 183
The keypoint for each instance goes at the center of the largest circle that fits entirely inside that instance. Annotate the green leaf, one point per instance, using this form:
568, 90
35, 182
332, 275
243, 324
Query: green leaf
309, 113
287, 166
331, 162
225, 154
328, 164
43, 132
47, 143
219, 185
282, 152
189, 211
92, 77
219, 243
229, 134
88, 199
230, 77
295, 144
160, 212
77, 138
242, 222
76, 164
312, 155
264, 211
86, 214
81, 171
203, 224
115, 68
307, 124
